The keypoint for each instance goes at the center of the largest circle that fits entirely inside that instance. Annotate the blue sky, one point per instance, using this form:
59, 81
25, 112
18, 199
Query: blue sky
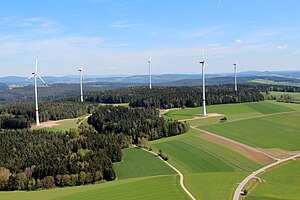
117, 36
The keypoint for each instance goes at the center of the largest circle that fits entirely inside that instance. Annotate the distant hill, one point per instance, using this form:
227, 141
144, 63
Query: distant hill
291, 76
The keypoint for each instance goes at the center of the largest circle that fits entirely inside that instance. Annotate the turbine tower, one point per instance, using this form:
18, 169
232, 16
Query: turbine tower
35, 75
150, 72
81, 94
203, 63
235, 76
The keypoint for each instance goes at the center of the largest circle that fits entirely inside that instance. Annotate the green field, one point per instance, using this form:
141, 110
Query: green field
281, 182
233, 111
160, 187
205, 164
139, 163
275, 131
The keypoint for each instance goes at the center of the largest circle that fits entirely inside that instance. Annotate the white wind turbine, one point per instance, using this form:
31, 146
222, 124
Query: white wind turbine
35, 75
81, 93
203, 63
150, 72
235, 76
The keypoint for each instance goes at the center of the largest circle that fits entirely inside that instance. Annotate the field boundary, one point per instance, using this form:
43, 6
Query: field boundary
237, 144
239, 189
178, 172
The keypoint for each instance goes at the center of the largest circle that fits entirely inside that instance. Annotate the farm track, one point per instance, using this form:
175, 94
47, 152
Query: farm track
178, 172
239, 189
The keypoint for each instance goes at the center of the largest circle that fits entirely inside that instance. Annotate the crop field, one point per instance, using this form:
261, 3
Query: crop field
275, 131
139, 163
281, 182
232, 111
160, 187
205, 164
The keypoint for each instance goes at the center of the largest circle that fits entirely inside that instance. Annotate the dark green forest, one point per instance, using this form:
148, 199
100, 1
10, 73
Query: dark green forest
176, 97
20, 115
39, 159
134, 122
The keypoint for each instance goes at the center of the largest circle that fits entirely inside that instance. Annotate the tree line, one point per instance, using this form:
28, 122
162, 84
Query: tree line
21, 115
176, 97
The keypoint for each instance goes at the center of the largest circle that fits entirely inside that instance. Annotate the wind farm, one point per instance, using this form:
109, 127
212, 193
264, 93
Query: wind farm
215, 116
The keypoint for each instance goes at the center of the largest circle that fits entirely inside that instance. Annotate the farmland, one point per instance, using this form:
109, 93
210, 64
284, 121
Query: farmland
274, 131
280, 182
206, 164
147, 188
139, 163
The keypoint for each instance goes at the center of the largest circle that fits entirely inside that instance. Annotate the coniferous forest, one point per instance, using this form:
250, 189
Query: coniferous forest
176, 97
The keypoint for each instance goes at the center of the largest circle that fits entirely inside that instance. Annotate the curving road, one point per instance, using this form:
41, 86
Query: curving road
239, 189
178, 172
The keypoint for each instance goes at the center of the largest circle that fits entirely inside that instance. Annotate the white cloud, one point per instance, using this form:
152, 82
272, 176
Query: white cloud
282, 47
238, 41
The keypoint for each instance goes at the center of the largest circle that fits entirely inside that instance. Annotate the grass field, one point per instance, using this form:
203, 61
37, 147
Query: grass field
233, 111
161, 187
139, 163
276, 131
206, 165
281, 182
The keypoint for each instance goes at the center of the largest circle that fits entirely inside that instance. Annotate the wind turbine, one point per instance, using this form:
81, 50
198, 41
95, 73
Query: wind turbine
81, 94
203, 63
150, 72
235, 76
35, 75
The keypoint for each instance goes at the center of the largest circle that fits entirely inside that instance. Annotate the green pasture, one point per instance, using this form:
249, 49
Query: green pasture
274, 131
139, 163
205, 164
233, 111
280, 182
160, 187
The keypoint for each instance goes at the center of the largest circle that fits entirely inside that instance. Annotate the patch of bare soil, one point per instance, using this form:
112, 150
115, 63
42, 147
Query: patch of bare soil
278, 153
201, 117
249, 152
47, 124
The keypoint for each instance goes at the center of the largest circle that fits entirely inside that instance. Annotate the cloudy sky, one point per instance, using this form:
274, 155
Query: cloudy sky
117, 36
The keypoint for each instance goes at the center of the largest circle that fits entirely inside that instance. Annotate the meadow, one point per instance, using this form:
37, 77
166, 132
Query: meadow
281, 182
274, 131
156, 187
211, 171
139, 163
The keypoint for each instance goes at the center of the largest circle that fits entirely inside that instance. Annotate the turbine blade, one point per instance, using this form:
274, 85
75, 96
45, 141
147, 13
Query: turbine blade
41, 79
29, 77
36, 63
203, 56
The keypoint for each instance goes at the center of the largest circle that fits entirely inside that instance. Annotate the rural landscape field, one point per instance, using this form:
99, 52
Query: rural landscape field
140, 99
